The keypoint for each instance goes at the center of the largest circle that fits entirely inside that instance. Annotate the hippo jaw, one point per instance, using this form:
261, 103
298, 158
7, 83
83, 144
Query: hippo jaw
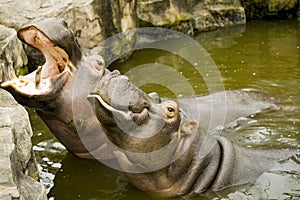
118, 100
47, 79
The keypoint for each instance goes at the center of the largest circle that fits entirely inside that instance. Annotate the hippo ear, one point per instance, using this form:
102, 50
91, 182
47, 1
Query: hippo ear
187, 131
155, 97
189, 126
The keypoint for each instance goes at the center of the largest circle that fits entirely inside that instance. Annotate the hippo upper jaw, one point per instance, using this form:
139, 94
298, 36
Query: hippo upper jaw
48, 79
117, 100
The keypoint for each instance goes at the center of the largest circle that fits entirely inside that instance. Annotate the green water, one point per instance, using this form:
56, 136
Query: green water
264, 55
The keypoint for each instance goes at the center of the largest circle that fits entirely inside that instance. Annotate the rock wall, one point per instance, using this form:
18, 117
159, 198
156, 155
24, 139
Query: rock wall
91, 21
12, 55
261, 9
18, 170
191, 16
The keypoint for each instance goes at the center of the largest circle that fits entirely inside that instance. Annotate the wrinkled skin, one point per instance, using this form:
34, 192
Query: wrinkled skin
49, 89
196, 161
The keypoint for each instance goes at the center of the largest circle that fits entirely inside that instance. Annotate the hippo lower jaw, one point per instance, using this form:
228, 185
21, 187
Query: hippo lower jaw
50, 77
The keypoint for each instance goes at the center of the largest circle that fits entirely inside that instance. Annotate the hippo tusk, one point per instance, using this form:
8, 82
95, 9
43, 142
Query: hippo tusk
103, 103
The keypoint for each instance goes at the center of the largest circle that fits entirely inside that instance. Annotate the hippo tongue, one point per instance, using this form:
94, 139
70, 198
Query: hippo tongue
56, 58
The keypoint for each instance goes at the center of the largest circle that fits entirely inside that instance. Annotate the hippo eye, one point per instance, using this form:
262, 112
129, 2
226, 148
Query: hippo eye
99, 62
171, 109
171, 112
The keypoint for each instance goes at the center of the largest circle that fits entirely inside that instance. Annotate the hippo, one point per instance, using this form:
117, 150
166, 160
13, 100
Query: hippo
50, 88
51, 91
180, 158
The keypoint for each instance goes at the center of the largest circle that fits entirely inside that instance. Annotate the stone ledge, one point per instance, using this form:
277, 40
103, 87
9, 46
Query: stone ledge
261, 9
199, 15
18, 172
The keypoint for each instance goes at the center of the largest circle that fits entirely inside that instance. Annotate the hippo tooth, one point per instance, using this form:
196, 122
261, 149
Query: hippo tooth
38, 76
71, 65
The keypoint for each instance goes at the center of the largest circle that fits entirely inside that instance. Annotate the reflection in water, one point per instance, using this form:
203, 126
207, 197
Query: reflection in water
264, 55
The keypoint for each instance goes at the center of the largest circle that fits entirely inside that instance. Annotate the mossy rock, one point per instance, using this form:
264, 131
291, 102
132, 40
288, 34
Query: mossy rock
262, 9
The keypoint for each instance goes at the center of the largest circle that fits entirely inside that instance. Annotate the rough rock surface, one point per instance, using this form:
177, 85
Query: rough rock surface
91, 21
12, 55
191, 15
260, 9
18, 170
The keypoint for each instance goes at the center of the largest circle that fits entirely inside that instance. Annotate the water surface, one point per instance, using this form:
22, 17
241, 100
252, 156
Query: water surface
264, 55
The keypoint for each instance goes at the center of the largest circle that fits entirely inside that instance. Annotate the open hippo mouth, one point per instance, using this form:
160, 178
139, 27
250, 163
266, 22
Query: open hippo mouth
57, 67
118, 100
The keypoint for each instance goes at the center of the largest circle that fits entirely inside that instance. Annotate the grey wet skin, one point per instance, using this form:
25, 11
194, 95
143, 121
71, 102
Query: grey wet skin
49, 89
197, 161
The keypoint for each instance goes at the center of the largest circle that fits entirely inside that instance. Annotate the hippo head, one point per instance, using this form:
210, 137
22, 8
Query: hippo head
140, 123
62, 56
59, 85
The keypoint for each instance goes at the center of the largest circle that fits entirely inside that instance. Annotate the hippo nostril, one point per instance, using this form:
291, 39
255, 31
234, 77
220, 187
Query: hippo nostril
136, 109
141, 117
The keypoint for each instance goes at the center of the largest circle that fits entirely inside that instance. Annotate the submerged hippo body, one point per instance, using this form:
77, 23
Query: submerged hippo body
49, 89
180, 158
